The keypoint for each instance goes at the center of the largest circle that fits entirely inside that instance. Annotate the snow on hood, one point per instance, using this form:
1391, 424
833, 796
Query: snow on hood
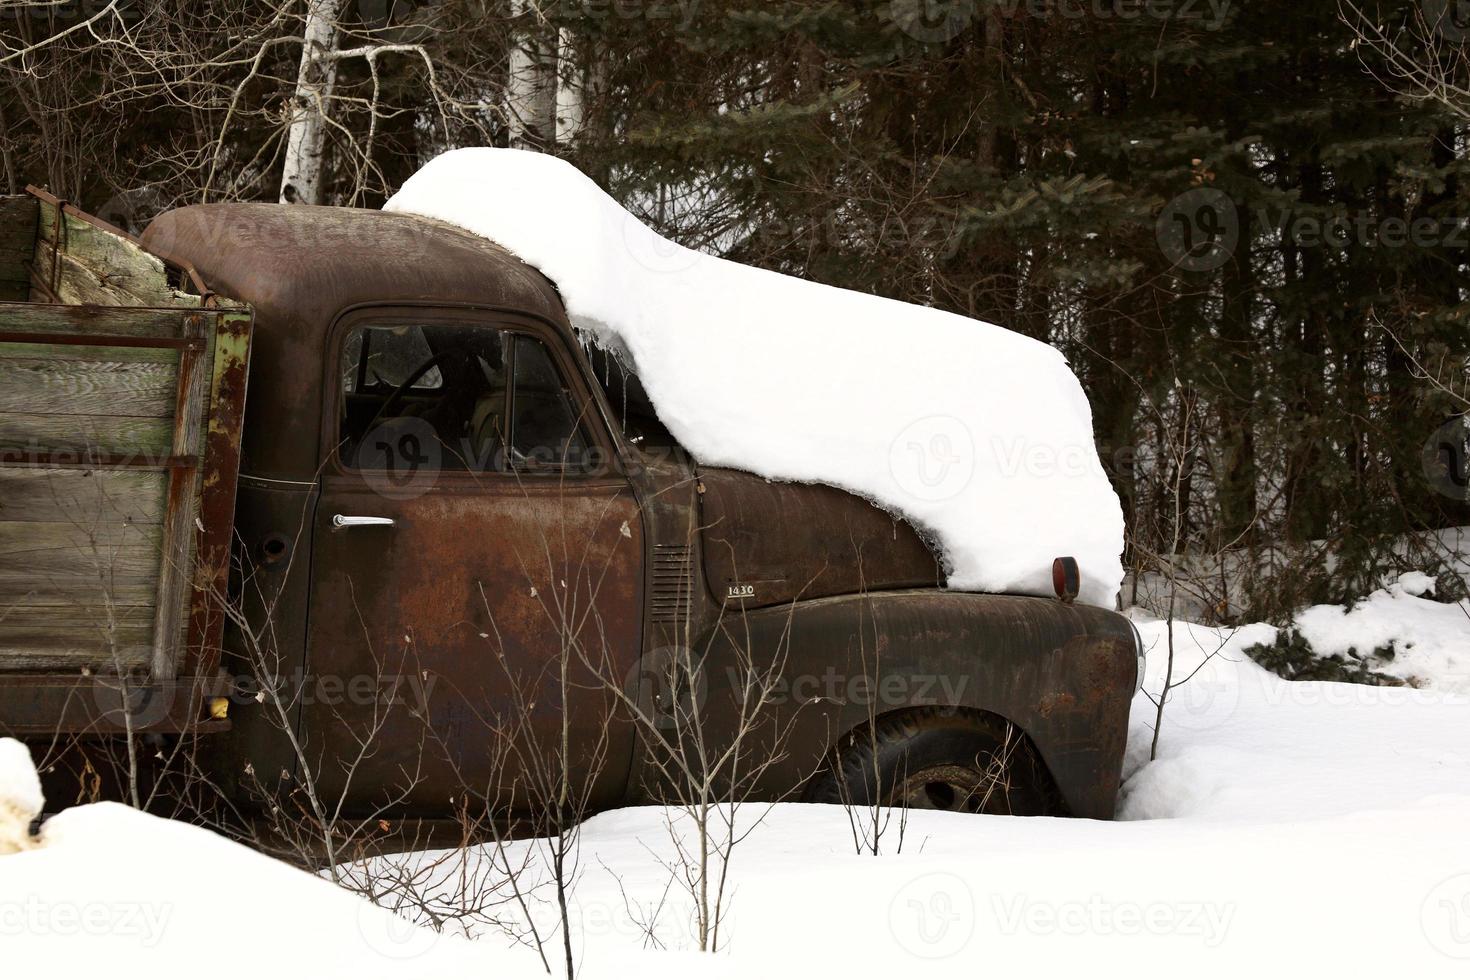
979, 436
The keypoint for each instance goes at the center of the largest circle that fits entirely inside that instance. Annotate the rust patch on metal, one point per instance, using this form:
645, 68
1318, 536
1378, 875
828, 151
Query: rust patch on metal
1063, 701
221, 466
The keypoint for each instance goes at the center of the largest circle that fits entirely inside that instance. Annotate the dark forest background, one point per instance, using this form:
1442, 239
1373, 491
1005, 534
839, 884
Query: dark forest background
1244, 222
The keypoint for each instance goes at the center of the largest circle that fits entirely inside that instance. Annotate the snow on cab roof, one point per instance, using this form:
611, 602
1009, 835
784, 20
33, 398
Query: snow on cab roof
979, 436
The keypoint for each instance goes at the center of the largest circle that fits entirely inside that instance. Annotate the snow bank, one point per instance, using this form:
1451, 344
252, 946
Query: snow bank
979, 436
118, 893
1430, 640
108, 890
20, 796
1032, 897
1240, 743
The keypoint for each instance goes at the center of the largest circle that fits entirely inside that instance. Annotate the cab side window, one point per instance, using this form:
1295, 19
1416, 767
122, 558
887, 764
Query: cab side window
424, 396
383, 358
546, 432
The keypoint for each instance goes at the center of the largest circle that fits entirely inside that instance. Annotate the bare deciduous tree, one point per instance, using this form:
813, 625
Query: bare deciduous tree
306, 136
1425, 57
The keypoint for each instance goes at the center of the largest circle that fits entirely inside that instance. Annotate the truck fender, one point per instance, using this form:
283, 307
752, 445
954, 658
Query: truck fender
1063, 674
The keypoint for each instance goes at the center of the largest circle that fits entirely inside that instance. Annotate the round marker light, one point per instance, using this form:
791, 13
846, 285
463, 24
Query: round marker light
1066, 579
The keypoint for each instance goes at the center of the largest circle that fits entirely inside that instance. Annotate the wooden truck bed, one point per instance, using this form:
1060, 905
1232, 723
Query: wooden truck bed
122, 391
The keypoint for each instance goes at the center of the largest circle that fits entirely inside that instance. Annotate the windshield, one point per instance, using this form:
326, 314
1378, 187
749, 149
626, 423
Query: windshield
631, 407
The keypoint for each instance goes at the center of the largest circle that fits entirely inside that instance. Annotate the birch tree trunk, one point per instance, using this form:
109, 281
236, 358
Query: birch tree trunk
301, 178
531, 85
573, 82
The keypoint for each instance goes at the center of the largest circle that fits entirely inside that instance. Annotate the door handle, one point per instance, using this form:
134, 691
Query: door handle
340, 521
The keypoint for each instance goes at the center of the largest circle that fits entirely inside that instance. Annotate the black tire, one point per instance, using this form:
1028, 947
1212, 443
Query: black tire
939, 759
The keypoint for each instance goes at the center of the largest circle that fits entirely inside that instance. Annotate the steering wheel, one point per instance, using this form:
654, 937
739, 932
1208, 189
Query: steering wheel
408, 383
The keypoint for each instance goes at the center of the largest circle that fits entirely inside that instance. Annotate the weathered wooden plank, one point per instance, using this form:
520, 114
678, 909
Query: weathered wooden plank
96, 262
24, 540
81, 496
124, 587
83, 566
98, 637
71, 280
30, 432
95, 320
71, 386
43, 351
91, 569
75, 636
73, 647
117, 246
128, 590
46, 613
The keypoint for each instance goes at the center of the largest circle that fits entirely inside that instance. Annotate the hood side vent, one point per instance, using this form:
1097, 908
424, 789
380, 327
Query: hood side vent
673, 583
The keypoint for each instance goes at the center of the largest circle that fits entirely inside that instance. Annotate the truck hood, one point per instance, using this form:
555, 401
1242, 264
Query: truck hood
766, 543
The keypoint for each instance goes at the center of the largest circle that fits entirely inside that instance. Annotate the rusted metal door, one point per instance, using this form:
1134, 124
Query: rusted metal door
476, 571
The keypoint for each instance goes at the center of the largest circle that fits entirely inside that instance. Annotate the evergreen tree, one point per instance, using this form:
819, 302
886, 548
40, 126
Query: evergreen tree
1048, 167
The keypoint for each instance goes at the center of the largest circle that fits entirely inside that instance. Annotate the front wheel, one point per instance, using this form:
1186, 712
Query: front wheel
939, 759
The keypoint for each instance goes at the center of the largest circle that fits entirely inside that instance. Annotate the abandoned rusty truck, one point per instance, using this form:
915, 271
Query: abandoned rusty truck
443, 537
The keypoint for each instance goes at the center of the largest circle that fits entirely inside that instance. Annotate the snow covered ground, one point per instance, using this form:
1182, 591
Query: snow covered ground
1428, 638
1312, 828
117, 893
1240, 743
